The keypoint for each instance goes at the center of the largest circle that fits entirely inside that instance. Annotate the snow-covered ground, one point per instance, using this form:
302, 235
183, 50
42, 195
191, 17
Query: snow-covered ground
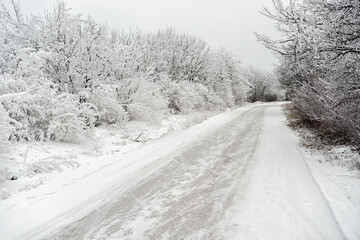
25, 166
238, 175
341, 187
292, 194
336, 169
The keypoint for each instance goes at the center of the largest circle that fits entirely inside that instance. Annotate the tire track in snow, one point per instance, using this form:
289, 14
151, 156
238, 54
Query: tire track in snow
244, 179
187, 197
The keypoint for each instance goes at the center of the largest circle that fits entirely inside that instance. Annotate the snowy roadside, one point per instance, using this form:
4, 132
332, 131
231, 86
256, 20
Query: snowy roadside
25, 166
71, 195
336, 169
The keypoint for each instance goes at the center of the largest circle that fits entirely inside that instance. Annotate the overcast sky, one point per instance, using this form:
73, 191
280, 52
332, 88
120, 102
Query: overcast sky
222, 23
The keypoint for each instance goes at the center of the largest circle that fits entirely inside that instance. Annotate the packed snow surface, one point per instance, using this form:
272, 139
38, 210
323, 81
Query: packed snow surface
238, 175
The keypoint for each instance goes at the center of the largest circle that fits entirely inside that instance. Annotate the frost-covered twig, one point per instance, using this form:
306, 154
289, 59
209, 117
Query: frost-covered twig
26, 153
12, 95
137, 138
98, 140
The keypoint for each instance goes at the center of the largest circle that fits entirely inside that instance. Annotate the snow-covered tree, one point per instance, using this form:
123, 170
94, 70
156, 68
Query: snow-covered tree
319, 56
78, 74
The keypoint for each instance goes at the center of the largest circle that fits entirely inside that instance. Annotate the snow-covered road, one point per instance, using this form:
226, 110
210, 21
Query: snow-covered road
238, 175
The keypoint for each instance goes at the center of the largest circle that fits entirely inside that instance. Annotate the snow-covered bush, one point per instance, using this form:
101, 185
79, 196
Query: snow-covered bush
185, 97
226, 77
9, 88
6, 128
181, 96
109, 110
46, 115
209, 99
142, 98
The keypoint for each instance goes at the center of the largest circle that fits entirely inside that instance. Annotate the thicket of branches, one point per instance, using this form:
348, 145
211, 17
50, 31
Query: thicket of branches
320, 60
61, 74
264, 87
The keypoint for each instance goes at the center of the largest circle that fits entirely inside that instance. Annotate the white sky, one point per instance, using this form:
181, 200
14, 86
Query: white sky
222, 23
